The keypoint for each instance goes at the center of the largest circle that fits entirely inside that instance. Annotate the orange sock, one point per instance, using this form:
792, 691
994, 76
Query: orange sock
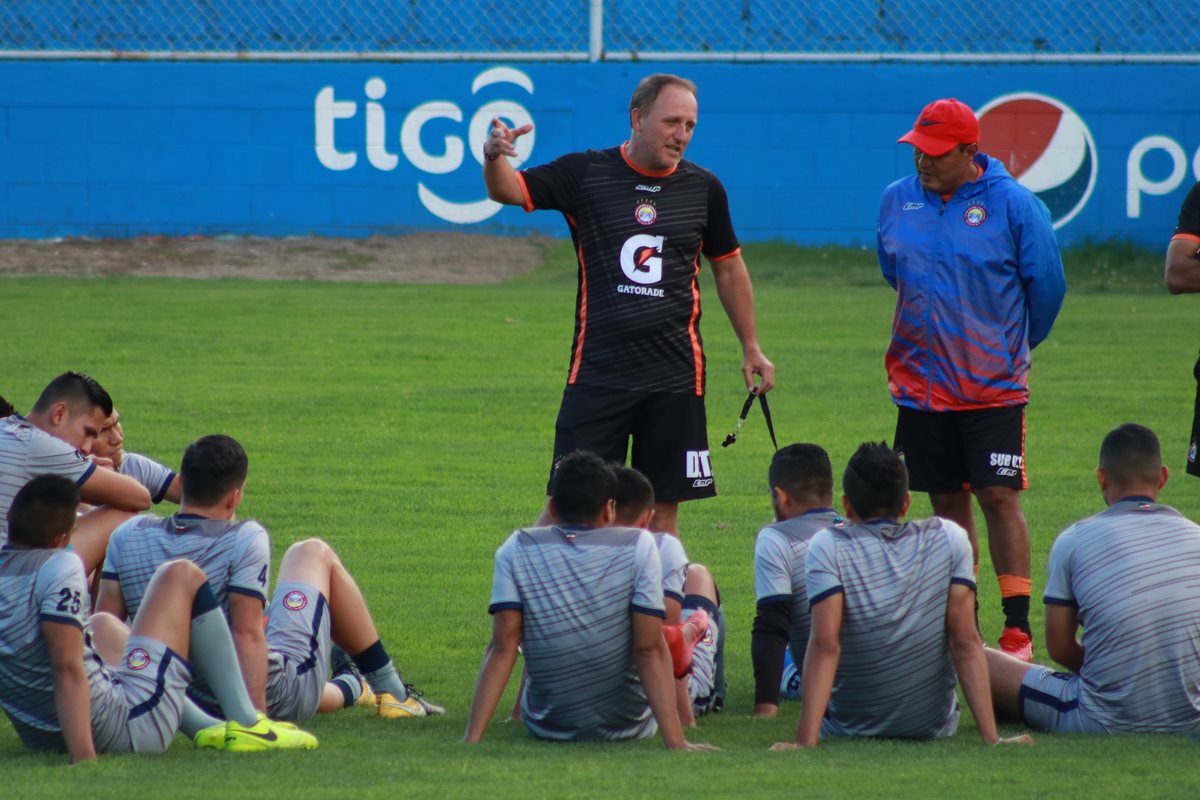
1014, 586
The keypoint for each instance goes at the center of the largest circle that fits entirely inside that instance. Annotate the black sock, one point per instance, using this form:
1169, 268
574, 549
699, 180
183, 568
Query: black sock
1016, 612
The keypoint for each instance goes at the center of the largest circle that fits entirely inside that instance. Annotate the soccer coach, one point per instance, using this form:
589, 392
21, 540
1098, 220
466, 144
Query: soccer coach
640, 216
979, 282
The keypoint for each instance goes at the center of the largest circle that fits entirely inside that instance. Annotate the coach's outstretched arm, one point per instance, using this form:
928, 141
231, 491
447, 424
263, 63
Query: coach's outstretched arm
497, 667
503, 185
737, 298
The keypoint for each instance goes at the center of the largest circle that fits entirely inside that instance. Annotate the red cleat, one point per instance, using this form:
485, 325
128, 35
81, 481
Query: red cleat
1017, 643
682, 639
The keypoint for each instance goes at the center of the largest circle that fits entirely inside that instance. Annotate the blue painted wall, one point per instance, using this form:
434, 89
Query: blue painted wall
128, 148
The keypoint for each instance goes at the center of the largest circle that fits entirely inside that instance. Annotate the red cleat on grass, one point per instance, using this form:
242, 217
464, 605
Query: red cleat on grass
1017, 643
682, 639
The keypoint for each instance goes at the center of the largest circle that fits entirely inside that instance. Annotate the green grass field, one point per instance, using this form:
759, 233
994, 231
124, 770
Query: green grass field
411, 427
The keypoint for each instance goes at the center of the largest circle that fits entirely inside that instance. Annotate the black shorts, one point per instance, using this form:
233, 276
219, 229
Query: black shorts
948, 451
1193, 461
670, 436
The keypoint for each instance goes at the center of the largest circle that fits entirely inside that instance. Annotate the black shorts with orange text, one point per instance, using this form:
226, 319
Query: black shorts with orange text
669, 435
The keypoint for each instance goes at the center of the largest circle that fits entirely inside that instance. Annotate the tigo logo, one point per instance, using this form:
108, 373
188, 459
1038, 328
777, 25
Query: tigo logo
1046, 146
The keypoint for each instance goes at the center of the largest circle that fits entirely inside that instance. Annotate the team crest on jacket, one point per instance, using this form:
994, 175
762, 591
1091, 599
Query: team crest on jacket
295, 601
645, 213
975, 216
137, 659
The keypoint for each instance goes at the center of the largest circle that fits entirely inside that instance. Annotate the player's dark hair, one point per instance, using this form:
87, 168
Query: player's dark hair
582, 483
79, 391
1131, 456
43, 509
6, 408
212, 467
635, 495
649, 88
875, 481
803, 471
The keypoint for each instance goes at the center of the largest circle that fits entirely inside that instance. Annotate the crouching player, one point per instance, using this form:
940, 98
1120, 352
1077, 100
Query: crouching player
316, 598
585, 600
55, 686
689, 597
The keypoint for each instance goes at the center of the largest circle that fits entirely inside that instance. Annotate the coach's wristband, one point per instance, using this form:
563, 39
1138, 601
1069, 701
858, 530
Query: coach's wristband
486, 157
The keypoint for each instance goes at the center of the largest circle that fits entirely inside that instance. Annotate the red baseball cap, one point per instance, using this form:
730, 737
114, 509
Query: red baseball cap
942, 125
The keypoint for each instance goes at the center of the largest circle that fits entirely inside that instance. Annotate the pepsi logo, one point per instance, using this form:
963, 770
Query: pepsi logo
1046, 146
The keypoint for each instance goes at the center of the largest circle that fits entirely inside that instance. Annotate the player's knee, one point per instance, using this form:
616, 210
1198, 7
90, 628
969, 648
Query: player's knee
313, 550
181, 572
700, 581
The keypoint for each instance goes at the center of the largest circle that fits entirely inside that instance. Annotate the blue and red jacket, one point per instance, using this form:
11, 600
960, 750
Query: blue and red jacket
979, 282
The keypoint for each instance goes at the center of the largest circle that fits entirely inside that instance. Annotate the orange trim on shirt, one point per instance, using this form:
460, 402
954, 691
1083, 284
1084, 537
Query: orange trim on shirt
1187, 237
694, 329
641, 171
726, 257
582, 319
528, 204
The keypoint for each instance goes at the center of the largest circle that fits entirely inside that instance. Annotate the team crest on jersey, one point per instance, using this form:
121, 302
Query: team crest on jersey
295, 601
137, 659
645, 213
975, 216
708, 635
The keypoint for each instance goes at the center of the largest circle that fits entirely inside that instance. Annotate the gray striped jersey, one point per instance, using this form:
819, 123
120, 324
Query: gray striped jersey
27, 451
37, 586
895, 678
149, 473
674, 564
1133, 574
236, 556
779, 576
577, 590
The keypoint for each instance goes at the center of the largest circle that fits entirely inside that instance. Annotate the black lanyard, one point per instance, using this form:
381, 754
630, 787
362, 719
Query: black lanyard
762, 400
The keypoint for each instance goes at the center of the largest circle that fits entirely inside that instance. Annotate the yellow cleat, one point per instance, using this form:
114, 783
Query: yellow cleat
415, 705
266, 735
210, 738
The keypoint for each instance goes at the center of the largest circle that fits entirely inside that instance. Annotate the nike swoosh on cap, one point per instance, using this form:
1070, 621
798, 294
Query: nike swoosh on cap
925, 123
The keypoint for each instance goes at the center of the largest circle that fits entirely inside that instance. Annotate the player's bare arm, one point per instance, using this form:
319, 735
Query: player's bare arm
499, 175
653, 662
250, 642
820, 667
104, 487
1183, 266
494, 672
1062, 625
111, 600
72, 696
966, 651
737, 297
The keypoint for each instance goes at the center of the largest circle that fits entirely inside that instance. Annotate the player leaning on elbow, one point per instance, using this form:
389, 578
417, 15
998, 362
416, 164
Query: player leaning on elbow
1183, 276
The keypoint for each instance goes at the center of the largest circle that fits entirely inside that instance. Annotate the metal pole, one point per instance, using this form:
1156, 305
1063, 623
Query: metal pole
595, 30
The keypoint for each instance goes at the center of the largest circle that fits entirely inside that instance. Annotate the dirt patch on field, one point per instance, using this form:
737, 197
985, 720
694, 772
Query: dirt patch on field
416, 258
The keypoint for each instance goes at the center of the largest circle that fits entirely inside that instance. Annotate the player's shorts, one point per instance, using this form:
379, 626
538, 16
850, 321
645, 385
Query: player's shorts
140, 708
1049, 701
702, 679
1193, 456
948, 451
298, 666
669, 431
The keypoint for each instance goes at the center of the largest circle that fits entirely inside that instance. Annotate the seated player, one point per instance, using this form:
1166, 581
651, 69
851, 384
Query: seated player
689, 597
801, 482
56, 437
55, 686
1128, 576
893, 618
160, 481
585, 601
285, 668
